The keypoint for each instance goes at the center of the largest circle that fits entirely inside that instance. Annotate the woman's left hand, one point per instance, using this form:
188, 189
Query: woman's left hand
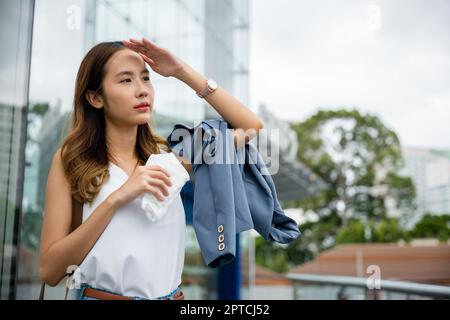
159, 59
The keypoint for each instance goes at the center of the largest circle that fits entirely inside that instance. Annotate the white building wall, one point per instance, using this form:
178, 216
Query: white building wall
430, 171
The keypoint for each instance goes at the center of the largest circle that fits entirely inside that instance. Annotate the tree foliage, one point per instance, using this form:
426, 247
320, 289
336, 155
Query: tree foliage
359, 158
433, 226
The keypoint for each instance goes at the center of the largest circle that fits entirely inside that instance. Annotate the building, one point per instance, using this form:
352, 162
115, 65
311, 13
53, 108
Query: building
430, 171
14, 68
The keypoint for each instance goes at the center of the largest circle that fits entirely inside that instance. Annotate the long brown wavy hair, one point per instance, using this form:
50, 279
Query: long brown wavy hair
84, 152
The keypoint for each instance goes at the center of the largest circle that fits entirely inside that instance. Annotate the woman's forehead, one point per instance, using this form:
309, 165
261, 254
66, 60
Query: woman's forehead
125, 59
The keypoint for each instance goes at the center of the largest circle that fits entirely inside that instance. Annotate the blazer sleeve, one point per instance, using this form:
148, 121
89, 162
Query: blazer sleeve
192, 142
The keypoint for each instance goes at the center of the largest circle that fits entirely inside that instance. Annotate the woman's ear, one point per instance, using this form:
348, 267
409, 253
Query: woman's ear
94, 99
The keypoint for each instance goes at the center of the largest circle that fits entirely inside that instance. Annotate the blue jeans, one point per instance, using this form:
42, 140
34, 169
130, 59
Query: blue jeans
80, 294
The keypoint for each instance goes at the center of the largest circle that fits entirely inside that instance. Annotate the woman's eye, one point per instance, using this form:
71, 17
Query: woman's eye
146, 78
125, 80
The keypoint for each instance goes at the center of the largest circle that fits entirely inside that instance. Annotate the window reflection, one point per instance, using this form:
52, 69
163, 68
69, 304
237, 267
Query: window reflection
15, 29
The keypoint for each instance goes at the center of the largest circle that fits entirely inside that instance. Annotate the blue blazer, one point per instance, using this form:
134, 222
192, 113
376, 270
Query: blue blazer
233, 191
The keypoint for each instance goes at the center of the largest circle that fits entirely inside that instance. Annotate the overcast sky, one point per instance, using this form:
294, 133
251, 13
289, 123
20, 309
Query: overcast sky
388, 57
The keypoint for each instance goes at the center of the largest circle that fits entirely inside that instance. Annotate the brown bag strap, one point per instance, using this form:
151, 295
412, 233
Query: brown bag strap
42, 293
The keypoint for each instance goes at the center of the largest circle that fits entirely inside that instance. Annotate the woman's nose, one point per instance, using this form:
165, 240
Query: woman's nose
143, 93
143, 90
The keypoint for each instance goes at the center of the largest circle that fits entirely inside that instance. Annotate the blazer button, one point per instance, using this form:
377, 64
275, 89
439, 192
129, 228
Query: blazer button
221, 238
221, 246
220, 228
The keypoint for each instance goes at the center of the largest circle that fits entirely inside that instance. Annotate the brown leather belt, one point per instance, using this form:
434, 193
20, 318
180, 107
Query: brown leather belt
102, 295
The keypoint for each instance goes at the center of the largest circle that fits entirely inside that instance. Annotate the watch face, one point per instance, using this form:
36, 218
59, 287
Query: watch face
212, 84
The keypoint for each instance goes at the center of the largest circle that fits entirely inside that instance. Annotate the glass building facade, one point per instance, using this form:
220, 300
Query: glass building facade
16, 20
50, 38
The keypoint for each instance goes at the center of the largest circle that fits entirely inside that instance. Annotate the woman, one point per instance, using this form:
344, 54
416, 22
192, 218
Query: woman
92, 214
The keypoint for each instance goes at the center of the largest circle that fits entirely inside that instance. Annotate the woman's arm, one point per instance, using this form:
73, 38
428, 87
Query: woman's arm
60, 245
246, 124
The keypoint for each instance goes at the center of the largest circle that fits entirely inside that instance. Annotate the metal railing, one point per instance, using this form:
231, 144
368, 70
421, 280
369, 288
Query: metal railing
427, 290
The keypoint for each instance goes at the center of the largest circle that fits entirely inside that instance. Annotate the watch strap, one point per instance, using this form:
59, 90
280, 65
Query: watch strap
205, 92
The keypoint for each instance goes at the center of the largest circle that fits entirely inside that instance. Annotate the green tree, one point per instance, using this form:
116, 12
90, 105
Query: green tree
271, 255
386, 230
432, 226
389, 230
354, 233
316, 237
359, 157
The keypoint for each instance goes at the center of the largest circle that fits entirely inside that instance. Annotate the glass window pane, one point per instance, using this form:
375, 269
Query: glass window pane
15, 29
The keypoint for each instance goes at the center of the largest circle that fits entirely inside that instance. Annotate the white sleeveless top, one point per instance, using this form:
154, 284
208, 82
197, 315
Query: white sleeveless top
134, 256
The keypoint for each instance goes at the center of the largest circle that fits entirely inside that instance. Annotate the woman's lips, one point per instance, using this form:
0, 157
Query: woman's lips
143, 107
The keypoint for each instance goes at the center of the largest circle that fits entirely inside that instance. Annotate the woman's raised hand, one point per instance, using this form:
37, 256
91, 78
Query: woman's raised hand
159, 59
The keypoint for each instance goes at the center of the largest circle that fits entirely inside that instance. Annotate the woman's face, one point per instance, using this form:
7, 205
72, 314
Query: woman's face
126, 85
